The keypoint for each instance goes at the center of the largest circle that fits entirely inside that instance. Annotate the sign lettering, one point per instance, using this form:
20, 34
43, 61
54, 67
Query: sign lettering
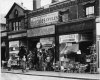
44, 19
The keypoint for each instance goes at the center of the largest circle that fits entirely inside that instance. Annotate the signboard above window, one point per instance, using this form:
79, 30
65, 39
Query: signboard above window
41, 31
44, 19
69, 38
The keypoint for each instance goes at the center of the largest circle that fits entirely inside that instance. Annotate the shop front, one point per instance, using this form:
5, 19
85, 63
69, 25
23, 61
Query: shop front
3, 45
77, 50
16, 41
41, 42
98, 41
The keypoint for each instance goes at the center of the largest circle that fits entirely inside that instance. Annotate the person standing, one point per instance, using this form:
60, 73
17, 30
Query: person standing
39, 56
30, 59
9, 64
22, 55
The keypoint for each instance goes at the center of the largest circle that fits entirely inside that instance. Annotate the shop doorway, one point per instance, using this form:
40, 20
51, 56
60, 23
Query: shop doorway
84, 47
32, 43
3, 53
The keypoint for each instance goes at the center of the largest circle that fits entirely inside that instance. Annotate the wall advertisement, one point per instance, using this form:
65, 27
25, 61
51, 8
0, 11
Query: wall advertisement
44, 19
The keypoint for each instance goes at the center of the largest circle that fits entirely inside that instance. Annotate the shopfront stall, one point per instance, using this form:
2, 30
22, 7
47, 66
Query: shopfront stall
77, 51
43, 37
16, 41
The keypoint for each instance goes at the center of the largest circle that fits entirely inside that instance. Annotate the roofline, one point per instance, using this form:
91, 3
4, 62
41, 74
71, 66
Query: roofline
12, 8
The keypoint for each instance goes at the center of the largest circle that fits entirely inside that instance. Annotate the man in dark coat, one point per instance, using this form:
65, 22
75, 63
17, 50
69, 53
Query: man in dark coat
22, 52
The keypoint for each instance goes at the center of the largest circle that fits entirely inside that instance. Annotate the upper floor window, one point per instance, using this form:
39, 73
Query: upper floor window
15, 13
16, 26
64, 16
89, 11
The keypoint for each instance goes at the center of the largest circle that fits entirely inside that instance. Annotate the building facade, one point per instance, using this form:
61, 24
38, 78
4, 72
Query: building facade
71, 27
16, 20
3, 32
62, 36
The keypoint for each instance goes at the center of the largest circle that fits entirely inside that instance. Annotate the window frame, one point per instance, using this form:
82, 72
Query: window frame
16, 25
89, 5
89, 11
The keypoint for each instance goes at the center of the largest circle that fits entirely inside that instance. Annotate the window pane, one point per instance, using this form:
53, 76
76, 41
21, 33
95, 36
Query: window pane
19, 23
87, 11
14, 26
90, 10
16, 23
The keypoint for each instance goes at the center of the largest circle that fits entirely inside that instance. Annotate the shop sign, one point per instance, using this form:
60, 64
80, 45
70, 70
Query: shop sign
3, 34
17, 35
14, 44
48, 40
3, 44
69, 38
98, 37
97, 19
97, 28
44, 19
41, 31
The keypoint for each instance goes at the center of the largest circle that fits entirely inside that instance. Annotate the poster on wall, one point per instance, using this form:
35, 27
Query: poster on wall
13, 48
47, 42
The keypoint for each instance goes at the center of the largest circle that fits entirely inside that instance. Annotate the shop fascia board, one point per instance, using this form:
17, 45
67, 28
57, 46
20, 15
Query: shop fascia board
76, 20
17, 32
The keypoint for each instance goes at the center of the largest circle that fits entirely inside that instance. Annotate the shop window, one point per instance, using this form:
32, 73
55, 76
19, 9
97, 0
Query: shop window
89, 11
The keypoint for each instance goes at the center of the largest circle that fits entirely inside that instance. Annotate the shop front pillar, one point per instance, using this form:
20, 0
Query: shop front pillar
7, 49
98, 42
56, 48
27, 46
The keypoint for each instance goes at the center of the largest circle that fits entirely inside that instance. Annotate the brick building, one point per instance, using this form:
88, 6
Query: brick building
65, 26
71, 26
16, 21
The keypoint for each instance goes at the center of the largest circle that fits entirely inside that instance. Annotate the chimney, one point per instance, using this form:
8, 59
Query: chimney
36, 4
21, 3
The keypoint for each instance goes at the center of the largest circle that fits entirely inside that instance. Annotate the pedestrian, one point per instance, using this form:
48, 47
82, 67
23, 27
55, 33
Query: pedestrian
9, 64
23, 63
30, 60
22, 55
39, 56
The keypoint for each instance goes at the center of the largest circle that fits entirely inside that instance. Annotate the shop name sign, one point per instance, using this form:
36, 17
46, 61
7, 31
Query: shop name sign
44, 19
17, 35
41, 31
69, 38
3, 34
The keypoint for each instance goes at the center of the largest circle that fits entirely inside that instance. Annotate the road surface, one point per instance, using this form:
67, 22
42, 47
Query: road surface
10, 76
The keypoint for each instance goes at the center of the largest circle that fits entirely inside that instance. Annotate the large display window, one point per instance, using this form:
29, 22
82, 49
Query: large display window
13, 51
68, 45
14, 48
77, 53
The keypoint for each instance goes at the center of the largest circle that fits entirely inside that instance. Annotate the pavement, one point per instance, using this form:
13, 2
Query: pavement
79, 76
